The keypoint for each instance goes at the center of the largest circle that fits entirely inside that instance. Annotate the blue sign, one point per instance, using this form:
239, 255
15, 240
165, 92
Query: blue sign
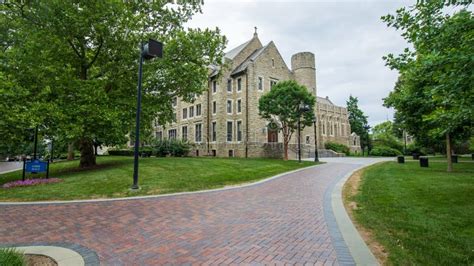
36, 166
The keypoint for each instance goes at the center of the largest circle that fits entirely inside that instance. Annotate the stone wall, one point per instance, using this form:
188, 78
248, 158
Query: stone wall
268, 66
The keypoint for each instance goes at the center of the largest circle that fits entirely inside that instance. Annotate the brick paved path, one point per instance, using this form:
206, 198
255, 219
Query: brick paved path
279, 221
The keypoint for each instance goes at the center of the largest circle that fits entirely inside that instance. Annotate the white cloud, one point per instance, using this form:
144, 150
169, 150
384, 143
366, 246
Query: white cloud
347, 37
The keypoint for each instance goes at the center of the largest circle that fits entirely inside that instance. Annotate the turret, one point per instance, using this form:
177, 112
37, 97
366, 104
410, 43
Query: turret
304, 70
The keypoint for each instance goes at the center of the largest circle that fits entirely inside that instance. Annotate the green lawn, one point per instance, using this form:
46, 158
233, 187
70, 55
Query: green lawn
442, 158
423, 216
11, 257
113, 177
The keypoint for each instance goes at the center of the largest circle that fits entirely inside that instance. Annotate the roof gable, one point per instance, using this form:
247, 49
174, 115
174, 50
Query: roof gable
324, 100
248, 61
234, 52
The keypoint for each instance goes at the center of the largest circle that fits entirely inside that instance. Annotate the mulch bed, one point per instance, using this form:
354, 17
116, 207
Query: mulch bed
39, 260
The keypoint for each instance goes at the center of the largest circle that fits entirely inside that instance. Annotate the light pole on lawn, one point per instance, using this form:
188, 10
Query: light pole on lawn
316, 157
302, 108
149, 50
36, 143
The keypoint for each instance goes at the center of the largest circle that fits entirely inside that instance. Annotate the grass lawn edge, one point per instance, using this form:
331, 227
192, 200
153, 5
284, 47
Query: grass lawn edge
425, 216
228, 187
350, 189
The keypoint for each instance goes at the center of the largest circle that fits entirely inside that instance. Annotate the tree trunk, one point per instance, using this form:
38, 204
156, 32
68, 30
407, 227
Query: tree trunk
448, 152
87, 153
285, 148
96, 146
286, 140
70, 151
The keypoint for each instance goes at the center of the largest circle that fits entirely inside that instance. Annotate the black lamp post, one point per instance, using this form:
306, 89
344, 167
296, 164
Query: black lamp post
367, 127
301, 109
36, 143
150, 50
52, 149
316, 157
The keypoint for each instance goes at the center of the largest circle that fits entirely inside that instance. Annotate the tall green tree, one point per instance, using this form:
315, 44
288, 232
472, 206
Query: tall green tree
72, 66
358, 121
281, 106
434, 94
385, 134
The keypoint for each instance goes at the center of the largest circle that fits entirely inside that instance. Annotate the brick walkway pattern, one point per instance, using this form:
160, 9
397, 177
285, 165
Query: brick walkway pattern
276, 222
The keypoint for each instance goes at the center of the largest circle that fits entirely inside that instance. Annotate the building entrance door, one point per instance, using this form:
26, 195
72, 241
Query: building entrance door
272, 135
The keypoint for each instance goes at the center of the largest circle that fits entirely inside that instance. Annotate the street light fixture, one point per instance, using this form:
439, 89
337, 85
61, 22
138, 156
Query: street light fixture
302, 108
316, 157
149, 50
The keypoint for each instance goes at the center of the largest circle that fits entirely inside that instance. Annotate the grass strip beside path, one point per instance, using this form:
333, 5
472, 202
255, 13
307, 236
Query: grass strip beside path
113, 177
422, 216
11, 257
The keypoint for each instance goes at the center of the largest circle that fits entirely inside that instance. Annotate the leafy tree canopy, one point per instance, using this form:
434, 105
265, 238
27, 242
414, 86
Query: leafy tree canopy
281, 105
357, 120
383, 129
434, 94
71, 67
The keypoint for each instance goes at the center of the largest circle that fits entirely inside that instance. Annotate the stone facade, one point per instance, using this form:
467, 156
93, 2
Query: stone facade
224, 120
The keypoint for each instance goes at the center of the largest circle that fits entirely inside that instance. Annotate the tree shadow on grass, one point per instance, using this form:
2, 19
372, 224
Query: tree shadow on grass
100, 166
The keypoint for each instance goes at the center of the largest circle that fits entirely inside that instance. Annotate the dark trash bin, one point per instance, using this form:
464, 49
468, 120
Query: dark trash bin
401, 159
454, 158
423, 161
416, 156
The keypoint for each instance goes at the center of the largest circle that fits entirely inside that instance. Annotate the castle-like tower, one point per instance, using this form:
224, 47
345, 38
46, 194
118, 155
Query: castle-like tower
304, 70
224, 120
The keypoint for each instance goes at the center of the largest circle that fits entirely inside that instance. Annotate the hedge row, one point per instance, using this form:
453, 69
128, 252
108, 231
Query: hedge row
337, 147
384, 151
162, 148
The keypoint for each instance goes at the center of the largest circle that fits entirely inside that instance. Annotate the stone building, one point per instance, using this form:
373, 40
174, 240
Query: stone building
224, 121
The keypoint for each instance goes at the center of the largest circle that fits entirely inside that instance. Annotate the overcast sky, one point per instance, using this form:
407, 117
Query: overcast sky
347, 37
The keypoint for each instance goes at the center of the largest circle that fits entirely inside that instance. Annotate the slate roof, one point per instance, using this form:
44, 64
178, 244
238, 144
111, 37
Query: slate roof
234, 52
324, 100
249, 60
214, 70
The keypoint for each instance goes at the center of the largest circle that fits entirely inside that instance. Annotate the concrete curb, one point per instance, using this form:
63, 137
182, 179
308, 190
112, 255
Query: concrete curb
63, 256
62, 252
359, 250
7, 203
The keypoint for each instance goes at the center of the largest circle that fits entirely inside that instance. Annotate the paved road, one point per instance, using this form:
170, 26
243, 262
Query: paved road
6, 167
284, 220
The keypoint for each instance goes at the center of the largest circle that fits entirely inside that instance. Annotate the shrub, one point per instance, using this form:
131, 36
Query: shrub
415, 148
146, 151
121, 152
176, 148
31, 182
143, 152
12, 257
384, 151
388, 141
337, 147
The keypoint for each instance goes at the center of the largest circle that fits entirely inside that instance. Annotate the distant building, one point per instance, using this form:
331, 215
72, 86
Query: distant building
224, 120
